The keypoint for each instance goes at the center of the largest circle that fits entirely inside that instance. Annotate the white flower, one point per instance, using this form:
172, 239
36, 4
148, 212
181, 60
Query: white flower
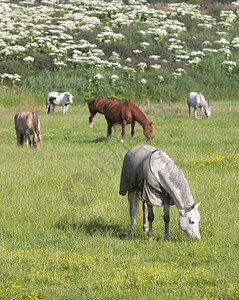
230, 63
98, 76
137, 51
142, 65
144, 45
156, 66
143, 81
160, 78
60, 63
29, 58
114, 77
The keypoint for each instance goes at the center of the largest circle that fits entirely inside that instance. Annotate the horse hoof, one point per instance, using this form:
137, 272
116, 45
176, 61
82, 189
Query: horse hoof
121, 140
146, 229
91, 125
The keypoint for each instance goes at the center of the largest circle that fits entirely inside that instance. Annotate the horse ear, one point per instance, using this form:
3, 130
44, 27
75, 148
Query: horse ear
194, 205
197, 205
151, 123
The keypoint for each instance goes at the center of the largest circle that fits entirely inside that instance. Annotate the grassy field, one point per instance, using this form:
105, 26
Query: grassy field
64, 227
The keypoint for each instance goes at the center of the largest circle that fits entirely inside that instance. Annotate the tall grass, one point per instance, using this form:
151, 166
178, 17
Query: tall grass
64, 227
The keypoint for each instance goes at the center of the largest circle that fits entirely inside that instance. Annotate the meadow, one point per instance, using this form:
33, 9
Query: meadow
64, 227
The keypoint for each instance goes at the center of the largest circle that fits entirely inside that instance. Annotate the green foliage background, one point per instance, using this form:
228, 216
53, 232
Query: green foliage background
208, 77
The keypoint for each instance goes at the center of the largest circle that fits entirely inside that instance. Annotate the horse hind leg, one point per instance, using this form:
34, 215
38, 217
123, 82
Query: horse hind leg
150, 219
189, 111
109, 130
145, 217
123, 131
132, 130
92, 114
133, 200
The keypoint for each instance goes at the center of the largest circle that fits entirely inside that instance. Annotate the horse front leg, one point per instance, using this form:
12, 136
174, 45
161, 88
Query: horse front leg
67, 107
145, 217
27, 138
150, 219
64, 109
132, 130
133, 200
48, 108
201, 111
123, 131
166, 219
53, 108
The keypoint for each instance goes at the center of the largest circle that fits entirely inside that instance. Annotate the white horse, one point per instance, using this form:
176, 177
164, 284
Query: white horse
199, 103
59, 99
152, 173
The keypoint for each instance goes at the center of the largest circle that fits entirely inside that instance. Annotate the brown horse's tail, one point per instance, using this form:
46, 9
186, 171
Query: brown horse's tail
35, 123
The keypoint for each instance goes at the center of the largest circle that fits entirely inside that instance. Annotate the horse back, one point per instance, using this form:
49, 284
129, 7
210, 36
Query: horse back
27, 122
97, 104
193, 99
112, 110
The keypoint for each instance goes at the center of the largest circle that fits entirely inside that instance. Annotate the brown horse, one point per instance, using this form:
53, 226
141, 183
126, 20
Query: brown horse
126, 113
96, 106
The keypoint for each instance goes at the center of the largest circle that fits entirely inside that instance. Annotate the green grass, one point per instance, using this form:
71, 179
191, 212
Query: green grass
64, 227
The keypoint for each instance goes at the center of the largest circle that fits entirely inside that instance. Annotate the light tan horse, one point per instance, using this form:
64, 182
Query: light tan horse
27, 124
96, 106
126, 113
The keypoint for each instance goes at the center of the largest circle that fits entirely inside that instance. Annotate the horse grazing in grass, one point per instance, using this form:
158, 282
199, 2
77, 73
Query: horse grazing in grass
126, 113
27, 124
198, 102
152, 173
96, 106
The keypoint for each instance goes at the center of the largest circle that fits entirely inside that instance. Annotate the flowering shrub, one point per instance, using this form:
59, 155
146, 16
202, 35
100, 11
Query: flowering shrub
125, 39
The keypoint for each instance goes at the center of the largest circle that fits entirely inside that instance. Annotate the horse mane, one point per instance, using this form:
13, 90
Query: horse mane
203, 100
137, 113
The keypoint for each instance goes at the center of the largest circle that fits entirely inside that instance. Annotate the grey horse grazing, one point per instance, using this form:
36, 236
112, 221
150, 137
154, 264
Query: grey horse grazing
152, 173
199, 103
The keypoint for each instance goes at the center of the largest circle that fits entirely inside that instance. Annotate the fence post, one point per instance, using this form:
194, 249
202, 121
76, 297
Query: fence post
230, 106
161, 103
148, 104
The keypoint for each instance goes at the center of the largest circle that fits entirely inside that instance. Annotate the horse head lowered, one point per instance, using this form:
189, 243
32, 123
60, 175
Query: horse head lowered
148, 131
189, 223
